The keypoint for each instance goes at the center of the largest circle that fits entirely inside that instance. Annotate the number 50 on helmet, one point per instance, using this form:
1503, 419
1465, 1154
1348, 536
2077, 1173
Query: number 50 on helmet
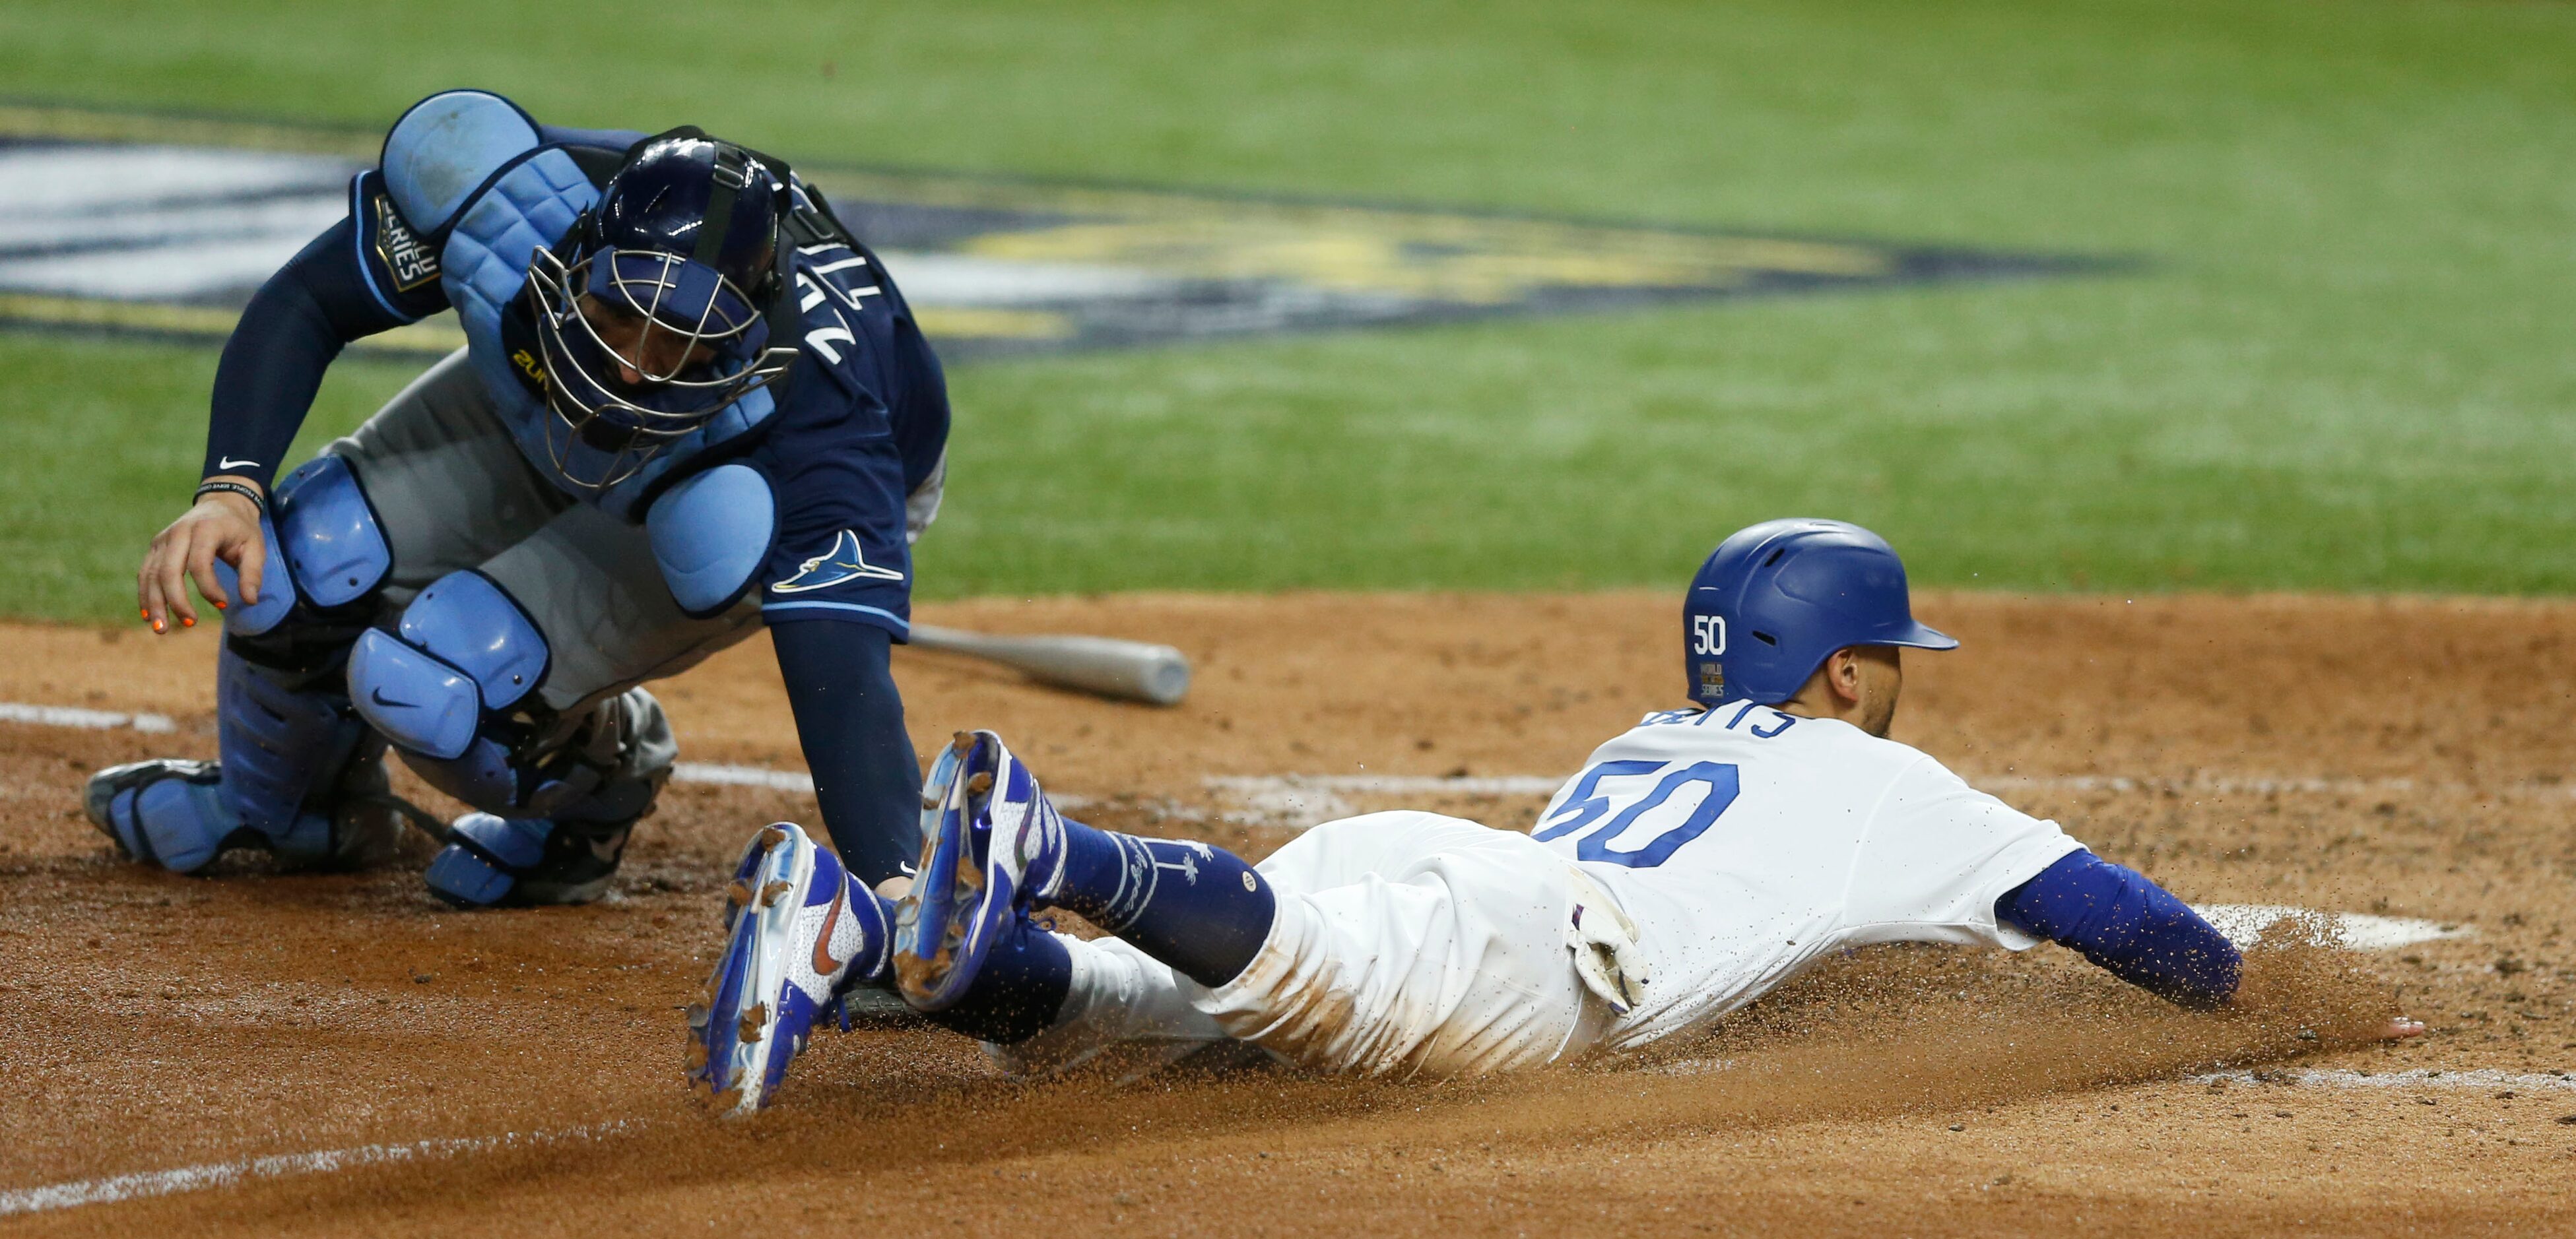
1775, 600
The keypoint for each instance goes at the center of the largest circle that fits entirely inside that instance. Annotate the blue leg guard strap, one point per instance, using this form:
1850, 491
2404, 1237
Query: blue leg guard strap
493, 860
169, 814
284, 750
484, 857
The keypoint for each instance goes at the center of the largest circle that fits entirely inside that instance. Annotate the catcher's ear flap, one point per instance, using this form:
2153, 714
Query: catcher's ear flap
583, 236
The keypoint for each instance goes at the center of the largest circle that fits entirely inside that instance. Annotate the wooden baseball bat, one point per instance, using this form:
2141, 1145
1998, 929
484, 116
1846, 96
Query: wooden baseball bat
1127, 670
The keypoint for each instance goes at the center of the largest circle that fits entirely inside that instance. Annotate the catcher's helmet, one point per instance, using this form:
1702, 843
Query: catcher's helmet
1777, 599
686, 238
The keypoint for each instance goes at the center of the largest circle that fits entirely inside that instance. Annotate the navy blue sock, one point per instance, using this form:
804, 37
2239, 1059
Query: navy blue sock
876, 967
1018, 991
1197, 908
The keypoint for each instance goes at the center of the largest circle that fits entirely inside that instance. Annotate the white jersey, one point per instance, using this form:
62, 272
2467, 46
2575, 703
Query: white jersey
1746, 843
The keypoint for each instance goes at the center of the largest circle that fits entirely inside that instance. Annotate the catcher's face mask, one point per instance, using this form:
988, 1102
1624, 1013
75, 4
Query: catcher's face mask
657, 316
641, 348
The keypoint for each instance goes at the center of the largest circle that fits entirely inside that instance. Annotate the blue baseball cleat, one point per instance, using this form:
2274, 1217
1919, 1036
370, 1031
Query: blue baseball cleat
801, 930
992, 845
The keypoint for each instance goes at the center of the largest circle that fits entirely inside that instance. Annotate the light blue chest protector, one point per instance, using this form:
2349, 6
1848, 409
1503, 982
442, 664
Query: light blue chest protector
472, 166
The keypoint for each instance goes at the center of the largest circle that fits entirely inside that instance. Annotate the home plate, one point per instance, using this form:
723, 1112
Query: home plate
2243, 923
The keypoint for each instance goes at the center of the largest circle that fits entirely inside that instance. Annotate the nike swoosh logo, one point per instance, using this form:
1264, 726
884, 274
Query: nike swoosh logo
230, 463
823, 961
378, 696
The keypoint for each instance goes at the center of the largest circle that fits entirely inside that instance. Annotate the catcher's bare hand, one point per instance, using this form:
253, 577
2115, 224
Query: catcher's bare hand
221, 525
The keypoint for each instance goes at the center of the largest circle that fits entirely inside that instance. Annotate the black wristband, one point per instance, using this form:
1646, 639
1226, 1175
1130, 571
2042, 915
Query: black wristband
257, 500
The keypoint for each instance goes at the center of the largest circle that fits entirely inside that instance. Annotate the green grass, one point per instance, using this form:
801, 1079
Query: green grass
2344, 364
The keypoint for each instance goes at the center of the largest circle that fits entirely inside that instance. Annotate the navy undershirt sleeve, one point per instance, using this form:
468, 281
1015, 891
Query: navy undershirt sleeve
2118, 919
288, 335
850, 719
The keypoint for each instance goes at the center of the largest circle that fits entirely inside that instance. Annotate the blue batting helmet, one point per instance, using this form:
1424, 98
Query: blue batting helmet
1774, 601
685, 240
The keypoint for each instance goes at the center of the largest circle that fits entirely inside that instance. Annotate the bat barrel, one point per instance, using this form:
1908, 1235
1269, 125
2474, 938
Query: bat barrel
1128, 670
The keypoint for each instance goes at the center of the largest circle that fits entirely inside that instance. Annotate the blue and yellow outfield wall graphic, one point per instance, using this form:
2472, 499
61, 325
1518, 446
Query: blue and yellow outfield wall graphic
164, 225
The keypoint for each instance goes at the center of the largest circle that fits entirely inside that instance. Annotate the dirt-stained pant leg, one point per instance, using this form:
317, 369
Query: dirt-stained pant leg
452, 491
1413, 944
1123, 1006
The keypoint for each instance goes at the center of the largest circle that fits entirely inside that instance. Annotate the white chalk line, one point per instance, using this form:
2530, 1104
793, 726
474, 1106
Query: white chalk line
2237, 785
743, 776
225, 1174
2243, 923
1286, 789
1298, 801
2480, 1079
74, 716
791, 780
1304, 800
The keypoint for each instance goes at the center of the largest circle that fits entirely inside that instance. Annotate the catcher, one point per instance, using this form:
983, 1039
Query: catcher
691, 404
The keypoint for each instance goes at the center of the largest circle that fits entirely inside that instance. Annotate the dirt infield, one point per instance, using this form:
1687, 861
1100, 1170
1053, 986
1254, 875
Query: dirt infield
518, 1072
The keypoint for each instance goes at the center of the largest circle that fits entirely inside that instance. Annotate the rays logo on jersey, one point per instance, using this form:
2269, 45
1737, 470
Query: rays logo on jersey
847, 561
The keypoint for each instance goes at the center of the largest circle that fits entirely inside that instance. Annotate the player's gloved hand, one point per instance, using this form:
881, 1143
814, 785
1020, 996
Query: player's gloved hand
221, 525
1606, 956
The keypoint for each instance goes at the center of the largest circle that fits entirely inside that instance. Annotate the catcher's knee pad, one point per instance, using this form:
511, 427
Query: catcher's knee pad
454, 687
444, 684
326, 555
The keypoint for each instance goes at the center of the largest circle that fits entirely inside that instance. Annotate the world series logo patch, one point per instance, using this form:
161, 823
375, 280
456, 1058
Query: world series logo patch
406, 258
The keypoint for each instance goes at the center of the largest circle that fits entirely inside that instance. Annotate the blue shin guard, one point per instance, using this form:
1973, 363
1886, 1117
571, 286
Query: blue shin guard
282, 751
299, 777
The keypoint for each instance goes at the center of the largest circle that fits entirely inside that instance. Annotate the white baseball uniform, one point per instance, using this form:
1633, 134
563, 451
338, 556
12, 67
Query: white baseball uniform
1742, 844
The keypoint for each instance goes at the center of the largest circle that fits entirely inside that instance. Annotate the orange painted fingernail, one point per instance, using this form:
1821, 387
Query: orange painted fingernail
145, 612
156, 626
219, 606
187, 621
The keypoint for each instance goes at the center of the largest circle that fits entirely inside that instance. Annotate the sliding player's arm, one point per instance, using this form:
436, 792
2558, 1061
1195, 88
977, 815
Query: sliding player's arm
2138, 931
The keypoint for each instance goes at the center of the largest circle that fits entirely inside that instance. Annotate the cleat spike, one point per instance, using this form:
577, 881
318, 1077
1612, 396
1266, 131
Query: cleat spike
965, 740
770, 837
698, 1018
753, 1021
770, 892
738, 892
980, 784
